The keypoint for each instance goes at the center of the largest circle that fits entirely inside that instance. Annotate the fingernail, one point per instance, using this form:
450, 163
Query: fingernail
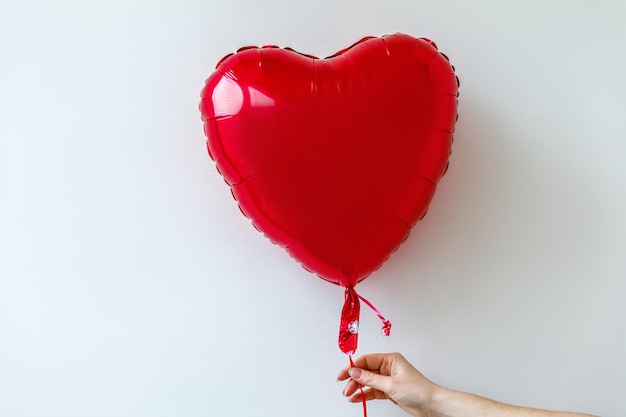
355, 373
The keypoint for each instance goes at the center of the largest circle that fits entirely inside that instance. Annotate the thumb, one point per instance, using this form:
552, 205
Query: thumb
370, 379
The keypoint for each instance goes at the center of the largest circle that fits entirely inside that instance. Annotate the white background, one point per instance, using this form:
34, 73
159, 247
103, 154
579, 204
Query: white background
130, 284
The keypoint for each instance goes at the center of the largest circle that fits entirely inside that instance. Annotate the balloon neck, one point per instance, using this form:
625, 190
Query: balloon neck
349, 324
348, 278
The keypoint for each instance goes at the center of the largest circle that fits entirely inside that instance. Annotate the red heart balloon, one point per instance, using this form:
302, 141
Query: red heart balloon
334, 159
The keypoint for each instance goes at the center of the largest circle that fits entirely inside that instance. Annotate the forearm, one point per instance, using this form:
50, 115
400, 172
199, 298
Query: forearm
448, 403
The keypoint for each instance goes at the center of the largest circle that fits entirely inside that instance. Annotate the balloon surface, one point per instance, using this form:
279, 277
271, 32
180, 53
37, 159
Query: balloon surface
333, 159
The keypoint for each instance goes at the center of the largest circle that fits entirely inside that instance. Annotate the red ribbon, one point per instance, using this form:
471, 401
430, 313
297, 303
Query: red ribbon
349, 328
363, 399
386, 330
349, 325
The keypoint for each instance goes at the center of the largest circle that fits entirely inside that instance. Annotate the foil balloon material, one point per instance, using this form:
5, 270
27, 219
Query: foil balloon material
334, 159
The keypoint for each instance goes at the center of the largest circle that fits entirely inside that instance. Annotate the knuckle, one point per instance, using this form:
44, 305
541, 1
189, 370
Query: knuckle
366, 377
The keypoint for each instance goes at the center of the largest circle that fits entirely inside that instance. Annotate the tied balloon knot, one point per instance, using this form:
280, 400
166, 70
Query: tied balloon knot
349, 325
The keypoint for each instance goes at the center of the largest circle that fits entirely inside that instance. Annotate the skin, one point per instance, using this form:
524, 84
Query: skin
390, 376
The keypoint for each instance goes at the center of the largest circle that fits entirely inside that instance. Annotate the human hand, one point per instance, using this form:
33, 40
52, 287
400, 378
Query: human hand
390, 376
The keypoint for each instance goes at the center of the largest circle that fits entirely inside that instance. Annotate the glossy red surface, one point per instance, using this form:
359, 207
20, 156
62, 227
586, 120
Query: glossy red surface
333, 159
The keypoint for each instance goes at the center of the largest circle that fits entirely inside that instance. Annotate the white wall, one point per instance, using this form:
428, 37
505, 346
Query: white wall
130, 285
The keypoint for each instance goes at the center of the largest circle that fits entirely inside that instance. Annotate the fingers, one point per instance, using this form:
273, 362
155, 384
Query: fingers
370, 394
371, 362
355, 391
387, 376
351, 387
370, 379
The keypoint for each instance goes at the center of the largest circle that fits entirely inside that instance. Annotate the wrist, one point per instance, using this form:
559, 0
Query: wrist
440, 401
450, 403
435, 403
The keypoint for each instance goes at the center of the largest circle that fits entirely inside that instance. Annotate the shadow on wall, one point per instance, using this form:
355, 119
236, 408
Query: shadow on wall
511, 219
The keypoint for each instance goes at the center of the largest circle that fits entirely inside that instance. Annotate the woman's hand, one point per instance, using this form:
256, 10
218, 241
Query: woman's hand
390, 376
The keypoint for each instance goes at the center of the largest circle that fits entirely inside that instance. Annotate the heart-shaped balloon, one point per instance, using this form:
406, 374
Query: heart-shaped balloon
334, 159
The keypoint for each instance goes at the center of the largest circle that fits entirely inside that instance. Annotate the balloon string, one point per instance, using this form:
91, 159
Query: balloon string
348, 345
386, 330
363, 399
